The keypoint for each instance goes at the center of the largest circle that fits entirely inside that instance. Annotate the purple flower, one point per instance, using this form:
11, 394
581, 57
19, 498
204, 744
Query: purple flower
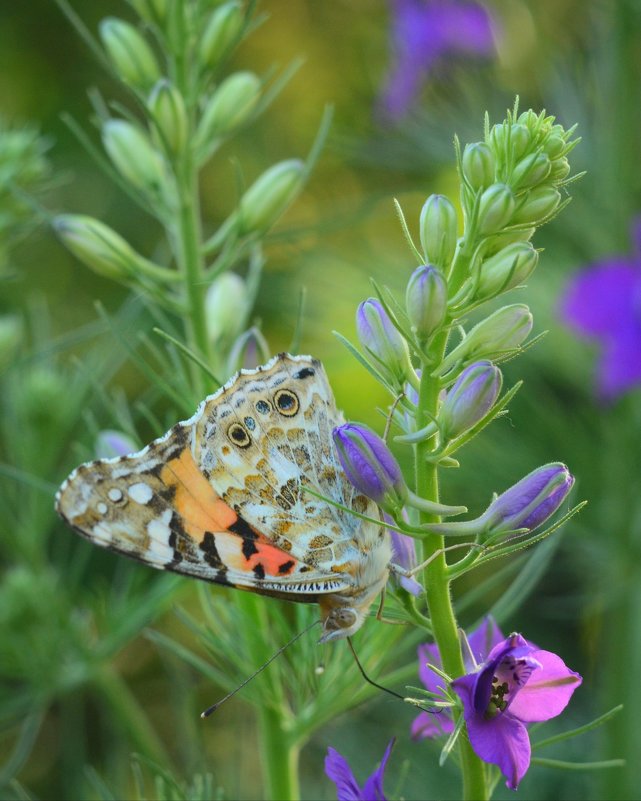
514, 684
603, 302
424, 32
517, 684
370, 465
347, 788
481, 642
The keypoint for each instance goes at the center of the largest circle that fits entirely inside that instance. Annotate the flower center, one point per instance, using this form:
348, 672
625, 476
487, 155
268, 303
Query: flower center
497, 702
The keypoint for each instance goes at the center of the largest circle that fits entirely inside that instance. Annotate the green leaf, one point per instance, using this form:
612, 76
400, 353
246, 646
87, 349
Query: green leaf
557, 738
557, 763
407, 234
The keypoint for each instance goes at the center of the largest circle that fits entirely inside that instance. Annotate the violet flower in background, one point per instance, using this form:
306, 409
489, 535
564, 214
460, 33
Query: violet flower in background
517, 684
603, 302
481, 642
110, 444
347, 788
424, 33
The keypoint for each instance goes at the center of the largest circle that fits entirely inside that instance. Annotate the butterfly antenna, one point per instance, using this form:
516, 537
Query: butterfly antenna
217, 705
380, 686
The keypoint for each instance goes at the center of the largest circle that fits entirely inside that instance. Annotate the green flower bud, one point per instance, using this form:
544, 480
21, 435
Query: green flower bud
231, 105
518, 137
226, 307
10, 336
269, 196
426, 301
478, 165
167, 107
221, 33
502, 331
560, 170
499, 241
96, 245
531, 170
134, 156
510, 267
537, 205
151, 10
439, 231
496, 208
554, 145
131, 56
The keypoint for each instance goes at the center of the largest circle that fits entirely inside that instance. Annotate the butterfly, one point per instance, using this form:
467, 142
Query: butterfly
221, 497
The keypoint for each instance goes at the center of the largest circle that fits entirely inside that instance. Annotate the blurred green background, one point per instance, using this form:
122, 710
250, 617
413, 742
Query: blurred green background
581, 61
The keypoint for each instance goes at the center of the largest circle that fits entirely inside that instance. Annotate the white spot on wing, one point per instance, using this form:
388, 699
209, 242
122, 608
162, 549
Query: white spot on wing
115, 494
102, 508
140, 492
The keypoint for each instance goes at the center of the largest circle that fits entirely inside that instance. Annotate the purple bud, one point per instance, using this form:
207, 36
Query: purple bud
531, 501
426, 300
370, 465
470, 399
378, 335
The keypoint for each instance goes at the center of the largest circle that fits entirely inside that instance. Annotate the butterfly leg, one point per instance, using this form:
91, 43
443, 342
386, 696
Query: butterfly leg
401, 571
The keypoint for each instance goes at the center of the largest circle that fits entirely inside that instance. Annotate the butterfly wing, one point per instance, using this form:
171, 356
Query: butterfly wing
156, 506
267, 436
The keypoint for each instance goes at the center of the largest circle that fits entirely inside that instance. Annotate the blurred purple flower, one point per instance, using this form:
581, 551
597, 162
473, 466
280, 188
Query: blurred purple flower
517, 684
481, 642
110, 444
347, 788
423, 33
603, 302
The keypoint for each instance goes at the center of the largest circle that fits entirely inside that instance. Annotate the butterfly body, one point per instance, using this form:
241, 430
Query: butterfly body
221, 497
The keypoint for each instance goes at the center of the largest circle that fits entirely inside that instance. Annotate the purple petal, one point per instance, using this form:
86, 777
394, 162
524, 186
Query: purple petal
429, 653
373, 787
547, 692
483, 639
503, 741
428, 725
602, 299
404, 555
338, 770
619, 366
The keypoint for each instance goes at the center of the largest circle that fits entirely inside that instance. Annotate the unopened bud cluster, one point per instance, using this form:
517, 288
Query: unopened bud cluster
158, 153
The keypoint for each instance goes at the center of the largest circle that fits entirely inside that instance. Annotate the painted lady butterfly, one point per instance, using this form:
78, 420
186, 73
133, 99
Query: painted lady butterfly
220, 497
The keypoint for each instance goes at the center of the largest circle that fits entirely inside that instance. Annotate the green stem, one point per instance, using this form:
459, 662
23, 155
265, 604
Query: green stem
437, 585
280, 756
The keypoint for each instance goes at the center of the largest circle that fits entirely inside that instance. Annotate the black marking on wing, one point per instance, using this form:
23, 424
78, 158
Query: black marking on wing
306, 372
286, 566
259, 571
211, 555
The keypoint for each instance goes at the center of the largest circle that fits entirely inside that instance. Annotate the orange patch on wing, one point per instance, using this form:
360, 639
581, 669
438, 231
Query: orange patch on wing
196, 500
273, 561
